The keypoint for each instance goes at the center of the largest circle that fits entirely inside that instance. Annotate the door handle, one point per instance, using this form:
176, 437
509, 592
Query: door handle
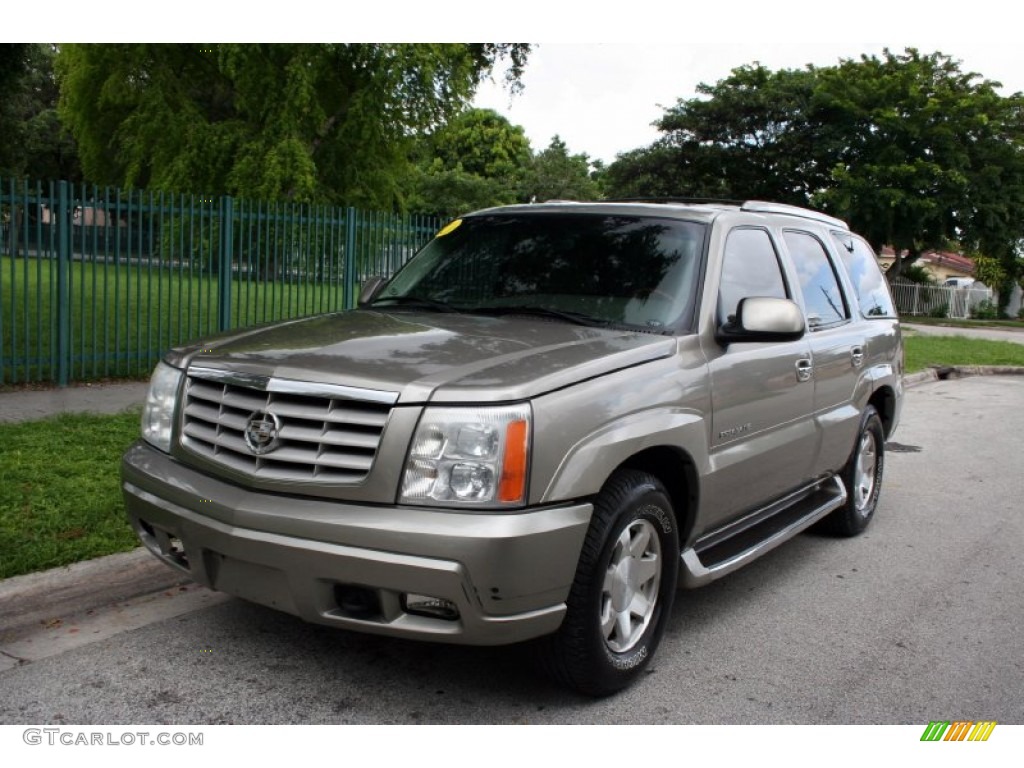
804, 369
857, 356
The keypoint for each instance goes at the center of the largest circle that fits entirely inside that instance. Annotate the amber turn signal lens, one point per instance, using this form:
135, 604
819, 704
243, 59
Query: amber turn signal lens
512, 487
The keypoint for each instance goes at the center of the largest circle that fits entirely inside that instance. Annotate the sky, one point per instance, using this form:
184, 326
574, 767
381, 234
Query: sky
601, 72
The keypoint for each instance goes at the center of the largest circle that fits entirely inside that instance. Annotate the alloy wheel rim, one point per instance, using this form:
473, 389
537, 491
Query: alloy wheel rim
866, 473
629, 594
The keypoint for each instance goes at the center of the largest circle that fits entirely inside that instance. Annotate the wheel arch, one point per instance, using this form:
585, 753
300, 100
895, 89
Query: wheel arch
884, 401
675, 469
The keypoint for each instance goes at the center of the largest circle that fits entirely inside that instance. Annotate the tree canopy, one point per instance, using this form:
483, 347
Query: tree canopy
911, 150
555, 174
479, 159
330, 122
32, 141
476, 160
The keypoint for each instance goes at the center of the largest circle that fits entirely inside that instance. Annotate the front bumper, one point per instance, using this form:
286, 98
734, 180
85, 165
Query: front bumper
507, 574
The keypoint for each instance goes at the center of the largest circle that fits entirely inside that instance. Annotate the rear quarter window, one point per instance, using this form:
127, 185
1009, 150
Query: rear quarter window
869, 283
824, 299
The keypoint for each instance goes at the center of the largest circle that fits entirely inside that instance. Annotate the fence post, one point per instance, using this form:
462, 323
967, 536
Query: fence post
225, 258
350, 258
62, 219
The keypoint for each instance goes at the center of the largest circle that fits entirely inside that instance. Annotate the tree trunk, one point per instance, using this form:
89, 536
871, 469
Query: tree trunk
899, 262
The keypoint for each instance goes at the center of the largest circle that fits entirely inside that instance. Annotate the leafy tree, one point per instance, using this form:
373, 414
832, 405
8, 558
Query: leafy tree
478, 159
916, 273
909, 149
744, 137
447, 193
483, 143
330, 122
988, 270
557, 175
655, 171
599, 175
926, 155
32, 142
469, 165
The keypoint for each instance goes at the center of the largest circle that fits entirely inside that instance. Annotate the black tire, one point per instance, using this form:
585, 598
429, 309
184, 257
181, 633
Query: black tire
617, 608
862, 477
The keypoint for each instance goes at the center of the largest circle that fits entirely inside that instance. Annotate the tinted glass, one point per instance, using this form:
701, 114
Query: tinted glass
868, 282
628, 270
750, 268
818, 281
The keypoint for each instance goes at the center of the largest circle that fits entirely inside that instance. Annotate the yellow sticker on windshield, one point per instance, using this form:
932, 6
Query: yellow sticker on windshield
449, 228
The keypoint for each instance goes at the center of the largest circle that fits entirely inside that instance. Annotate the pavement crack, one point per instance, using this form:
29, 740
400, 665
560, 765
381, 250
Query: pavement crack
19, 659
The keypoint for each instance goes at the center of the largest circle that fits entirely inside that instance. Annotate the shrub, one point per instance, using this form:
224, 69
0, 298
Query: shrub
939, 310
916, 273
985, 310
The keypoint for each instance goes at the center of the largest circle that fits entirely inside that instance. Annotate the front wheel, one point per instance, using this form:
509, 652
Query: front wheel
862, 477
623, 590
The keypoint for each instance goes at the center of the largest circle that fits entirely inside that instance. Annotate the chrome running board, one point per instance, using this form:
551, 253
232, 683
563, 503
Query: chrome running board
713, 556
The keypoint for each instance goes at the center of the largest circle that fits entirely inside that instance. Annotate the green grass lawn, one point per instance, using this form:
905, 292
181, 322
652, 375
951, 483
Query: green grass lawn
60, 498
922, 351
124, 317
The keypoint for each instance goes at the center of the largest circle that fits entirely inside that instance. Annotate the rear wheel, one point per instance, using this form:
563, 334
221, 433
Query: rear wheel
623, 590
862, 477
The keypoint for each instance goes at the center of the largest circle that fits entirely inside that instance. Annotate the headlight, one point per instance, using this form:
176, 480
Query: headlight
158, 412
476, 456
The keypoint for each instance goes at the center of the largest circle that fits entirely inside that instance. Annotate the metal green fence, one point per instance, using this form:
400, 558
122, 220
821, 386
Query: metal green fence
98, 282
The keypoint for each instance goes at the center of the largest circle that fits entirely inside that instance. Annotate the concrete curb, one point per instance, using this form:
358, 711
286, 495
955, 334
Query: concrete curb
36, 598
944, 372
913, 379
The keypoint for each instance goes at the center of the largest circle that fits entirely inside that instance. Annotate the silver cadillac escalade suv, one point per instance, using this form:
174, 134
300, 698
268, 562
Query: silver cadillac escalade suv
552, 417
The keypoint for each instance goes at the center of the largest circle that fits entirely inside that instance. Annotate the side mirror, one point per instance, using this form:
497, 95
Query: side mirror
763, 319
370, 289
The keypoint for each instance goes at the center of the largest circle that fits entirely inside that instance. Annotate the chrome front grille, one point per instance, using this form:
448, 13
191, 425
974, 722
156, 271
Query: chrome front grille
323, 437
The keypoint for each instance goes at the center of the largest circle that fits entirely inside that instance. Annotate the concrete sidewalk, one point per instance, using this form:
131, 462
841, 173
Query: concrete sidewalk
32, 404
46, 613
1015, 335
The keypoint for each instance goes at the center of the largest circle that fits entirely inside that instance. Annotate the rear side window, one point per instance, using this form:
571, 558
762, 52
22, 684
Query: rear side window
868, 282
750, 268
818, 280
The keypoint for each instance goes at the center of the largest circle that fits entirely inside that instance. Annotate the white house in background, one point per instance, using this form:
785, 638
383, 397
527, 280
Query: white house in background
941, 265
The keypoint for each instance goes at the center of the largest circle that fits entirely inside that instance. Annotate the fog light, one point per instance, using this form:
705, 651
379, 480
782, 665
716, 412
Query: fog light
357, 602
435, 607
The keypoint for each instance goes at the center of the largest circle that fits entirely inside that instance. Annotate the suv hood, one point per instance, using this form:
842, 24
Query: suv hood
429, 356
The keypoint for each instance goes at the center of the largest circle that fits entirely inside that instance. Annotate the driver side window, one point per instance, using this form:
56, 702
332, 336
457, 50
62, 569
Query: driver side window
750, 268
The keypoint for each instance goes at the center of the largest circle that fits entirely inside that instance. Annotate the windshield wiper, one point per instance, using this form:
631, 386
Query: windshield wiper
416, 302
571, 317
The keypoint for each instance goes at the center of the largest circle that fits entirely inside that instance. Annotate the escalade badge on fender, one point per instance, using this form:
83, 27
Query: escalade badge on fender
262, 432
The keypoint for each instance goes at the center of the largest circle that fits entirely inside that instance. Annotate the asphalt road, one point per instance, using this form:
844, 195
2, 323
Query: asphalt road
917, 620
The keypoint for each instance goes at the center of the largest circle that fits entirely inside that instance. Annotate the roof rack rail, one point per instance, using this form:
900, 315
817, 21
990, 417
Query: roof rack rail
673, 199
760, 206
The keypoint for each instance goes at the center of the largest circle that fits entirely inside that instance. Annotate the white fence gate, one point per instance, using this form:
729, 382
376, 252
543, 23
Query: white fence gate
938, 300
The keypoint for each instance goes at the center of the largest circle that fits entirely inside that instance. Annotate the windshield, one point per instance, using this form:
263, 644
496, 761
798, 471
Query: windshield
611, 270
